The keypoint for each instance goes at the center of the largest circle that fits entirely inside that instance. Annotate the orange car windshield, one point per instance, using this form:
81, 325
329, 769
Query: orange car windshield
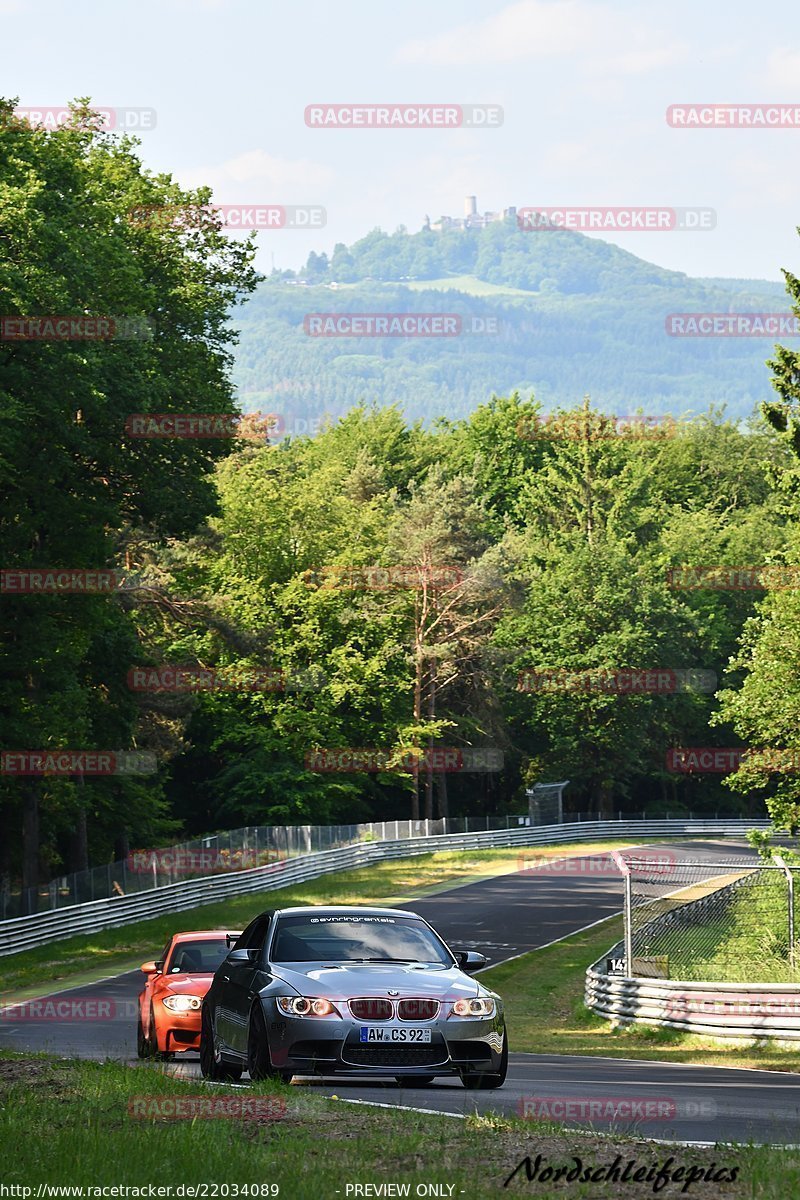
197, 958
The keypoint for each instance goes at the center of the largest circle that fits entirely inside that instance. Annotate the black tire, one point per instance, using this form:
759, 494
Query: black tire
415, 1080
259, 1062
151, 1041
210, 1068
141, 1042
484, 1081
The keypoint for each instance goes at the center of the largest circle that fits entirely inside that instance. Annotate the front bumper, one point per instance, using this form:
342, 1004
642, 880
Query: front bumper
179, 1033
330, 1046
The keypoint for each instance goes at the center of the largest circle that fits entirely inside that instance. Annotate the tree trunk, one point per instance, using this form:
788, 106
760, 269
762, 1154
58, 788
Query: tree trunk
79, 843
441, 794
5, 858
417, 717
122, 845
429, 772
605, 812
30, 847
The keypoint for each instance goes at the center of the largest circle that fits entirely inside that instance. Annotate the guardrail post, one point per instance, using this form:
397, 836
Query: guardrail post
627, 910
790, 898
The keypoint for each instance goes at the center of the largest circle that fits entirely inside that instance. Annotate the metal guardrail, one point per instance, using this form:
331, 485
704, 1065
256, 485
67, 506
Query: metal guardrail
230, 850
724, 1010
749, 1011
39, 929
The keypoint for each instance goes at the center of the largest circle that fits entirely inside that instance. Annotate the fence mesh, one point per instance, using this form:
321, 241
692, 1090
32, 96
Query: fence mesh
233, 850
732, 920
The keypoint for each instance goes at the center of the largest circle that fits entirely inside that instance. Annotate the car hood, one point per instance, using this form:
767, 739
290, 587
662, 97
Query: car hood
192, 985
375, 979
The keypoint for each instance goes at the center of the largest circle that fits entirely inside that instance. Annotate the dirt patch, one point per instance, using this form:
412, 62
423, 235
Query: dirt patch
35, 1074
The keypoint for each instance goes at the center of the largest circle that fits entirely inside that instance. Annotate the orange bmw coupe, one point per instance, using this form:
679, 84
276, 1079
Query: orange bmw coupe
170, 1003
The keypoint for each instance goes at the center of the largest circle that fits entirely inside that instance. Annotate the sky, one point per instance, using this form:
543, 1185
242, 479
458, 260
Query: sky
584, 87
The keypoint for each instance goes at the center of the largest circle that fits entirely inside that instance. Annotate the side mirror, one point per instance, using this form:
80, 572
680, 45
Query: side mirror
243, 956
151, 968
471, 961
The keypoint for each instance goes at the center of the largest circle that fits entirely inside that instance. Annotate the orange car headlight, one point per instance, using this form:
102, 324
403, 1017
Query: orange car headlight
183, 1004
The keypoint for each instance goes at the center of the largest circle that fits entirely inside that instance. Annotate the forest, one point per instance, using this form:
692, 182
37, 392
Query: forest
395, 617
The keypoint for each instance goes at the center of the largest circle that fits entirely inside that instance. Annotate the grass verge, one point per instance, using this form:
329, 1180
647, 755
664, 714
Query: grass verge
543, 996
72, 1124
88, 957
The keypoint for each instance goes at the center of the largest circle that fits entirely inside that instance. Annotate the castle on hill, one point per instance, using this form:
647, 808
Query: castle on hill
472, 219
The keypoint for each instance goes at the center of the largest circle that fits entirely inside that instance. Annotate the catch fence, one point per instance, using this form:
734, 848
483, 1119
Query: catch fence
729, 920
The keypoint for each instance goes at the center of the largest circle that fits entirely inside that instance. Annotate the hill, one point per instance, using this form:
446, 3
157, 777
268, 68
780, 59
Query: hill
566, 314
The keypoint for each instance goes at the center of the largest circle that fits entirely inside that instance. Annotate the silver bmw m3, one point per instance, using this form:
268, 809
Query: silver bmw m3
351, 991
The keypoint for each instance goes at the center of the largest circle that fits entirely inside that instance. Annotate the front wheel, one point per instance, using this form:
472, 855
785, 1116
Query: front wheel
210, 1068
141, 1043
484, 1081
259, 1062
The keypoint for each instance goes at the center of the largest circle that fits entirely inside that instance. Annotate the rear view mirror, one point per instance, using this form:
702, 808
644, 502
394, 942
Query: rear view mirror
150, 968
471, 961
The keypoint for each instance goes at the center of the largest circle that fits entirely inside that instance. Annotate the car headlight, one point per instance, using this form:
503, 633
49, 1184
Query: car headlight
182, 1004
303, 1006
479, 1007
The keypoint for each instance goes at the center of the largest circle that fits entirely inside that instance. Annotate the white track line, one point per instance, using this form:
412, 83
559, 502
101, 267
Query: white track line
661, 1062
436, 1112
546, 945
583, 1132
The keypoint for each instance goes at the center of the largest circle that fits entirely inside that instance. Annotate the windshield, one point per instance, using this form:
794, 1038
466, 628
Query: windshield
356, 939
197, 958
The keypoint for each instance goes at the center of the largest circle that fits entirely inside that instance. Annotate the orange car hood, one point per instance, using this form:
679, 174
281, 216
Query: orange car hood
195, 985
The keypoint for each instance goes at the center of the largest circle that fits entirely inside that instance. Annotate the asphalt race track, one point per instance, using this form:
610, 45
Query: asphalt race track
503, 916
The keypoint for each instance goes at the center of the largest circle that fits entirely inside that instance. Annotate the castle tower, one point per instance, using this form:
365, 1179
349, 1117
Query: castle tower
470, 207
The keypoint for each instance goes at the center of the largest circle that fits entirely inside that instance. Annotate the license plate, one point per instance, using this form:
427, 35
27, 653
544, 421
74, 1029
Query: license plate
409, 1035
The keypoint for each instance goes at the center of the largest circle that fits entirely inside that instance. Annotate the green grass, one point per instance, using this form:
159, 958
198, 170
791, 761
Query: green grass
71, 1123
91, 956
745, 939
545, 1013
469, 284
